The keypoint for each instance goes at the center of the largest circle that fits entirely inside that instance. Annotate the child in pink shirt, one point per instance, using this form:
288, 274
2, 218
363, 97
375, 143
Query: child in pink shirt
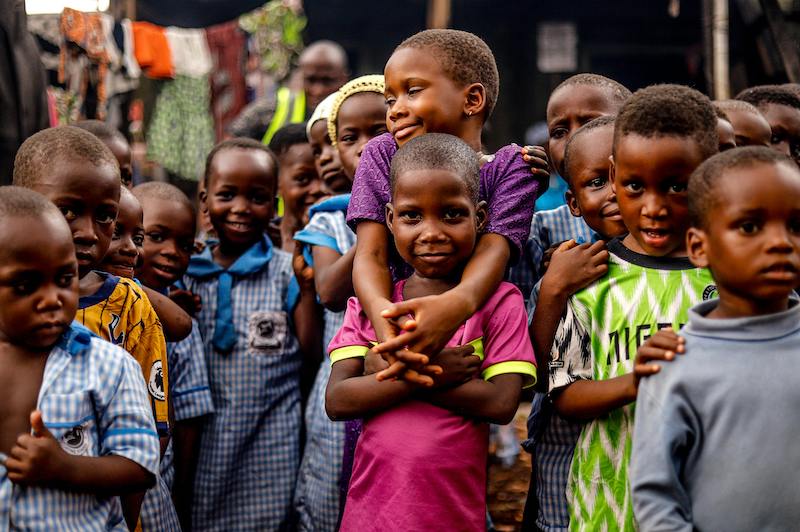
401, 478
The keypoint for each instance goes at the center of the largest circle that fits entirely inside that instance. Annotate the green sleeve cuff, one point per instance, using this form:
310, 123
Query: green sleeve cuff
350, 351
527, 369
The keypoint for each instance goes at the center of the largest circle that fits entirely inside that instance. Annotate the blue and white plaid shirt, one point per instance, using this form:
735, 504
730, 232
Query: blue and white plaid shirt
94, 400
250, 449
547, 228
318, 491
191, 398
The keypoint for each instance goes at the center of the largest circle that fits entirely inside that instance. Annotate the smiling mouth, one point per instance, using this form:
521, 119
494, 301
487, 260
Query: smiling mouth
612, 214
241, 227
404, 131
165, 270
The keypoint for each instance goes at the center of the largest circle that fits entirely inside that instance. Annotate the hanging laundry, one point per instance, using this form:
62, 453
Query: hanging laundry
227, 44
182, 132
190, 55
86, 32
125, 44
151, 48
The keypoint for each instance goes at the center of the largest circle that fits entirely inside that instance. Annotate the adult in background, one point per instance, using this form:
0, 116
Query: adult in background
323, 68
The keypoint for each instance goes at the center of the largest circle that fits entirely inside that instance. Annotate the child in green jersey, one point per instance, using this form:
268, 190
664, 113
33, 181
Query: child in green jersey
662, 134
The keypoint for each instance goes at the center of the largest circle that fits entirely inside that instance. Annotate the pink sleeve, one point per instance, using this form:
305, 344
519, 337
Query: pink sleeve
507, 345
355, 336
510, 190
371, 185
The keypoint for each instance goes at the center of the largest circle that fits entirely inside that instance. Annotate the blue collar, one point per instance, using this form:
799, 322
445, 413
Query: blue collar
104, 292
332, 204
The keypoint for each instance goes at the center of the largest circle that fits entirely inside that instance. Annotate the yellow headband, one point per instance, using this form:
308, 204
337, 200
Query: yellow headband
370, 83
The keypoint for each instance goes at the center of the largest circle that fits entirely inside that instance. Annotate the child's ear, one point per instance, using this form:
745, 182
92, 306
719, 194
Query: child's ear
572, 203
475, 101
203, 196
481, 216
390, 217
696, 243
612, 173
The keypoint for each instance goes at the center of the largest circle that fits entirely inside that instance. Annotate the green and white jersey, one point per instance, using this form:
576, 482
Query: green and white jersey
597, 339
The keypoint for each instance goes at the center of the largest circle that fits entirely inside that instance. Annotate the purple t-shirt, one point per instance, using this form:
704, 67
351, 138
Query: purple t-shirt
418, 466
507, 186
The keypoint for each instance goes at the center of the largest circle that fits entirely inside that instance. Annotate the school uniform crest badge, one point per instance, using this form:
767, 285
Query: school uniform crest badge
267, 331
75, 441
155, 384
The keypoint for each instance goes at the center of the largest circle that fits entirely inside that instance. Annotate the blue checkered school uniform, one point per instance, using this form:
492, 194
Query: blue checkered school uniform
317, 498
94, 401
551, 443
250, 448
547, 228
191, 398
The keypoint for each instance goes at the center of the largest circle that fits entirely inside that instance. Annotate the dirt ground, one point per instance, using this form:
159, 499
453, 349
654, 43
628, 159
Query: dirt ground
508, 487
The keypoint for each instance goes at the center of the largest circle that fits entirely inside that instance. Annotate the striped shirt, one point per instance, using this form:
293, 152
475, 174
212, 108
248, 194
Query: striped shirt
94, 401
250, 448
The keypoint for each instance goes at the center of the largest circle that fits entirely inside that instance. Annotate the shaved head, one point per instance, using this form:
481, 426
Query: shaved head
323, 65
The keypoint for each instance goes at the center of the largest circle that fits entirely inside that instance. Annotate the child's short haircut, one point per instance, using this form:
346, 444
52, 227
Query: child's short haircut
463, 56
56, 145
19, 201
239, 143
766, 94
286, 137
100, 130
669, 110
439, 151
569, 150
619, 92
720, 112
162, 191
737, 105
704, 179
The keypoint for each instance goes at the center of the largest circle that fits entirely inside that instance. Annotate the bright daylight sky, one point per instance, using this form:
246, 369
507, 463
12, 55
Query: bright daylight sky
56, 6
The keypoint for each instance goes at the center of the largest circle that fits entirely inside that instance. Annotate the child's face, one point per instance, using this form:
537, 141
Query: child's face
591, 194
125, 250
168, 242
750, 129
785, 124
361, 117
568, 109
326, 159
421, 98
727, 137
298, 182
122, 151
240, 196
650, 175
38, 281
88, 197
752, 239
434, 221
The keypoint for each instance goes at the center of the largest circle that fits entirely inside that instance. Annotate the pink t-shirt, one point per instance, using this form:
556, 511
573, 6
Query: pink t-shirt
418, 466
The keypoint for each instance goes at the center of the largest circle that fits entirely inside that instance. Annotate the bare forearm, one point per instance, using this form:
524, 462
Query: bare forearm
104, 475
372, 281
546, 317
177, 324
358, 397
484, 272
307, 316
494, 401
334, 281
587, 399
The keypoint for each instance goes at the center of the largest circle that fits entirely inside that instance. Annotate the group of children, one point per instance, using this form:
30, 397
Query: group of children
338, 368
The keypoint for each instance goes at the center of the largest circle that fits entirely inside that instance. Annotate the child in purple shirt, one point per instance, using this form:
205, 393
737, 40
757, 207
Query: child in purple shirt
401, 479
442, 81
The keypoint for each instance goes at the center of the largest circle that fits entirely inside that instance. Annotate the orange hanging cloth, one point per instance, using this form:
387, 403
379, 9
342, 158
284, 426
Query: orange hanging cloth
86, 31
152, 51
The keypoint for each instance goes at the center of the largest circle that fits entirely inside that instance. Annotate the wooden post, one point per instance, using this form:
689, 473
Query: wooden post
721, 67
439, 14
